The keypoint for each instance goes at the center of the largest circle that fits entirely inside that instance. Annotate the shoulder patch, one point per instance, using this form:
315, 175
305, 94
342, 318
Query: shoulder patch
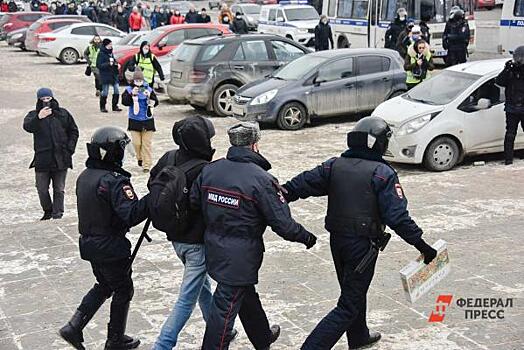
400, 191
280, 190
128, 192
224, 199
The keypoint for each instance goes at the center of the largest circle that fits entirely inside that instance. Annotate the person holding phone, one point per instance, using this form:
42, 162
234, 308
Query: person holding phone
55, 135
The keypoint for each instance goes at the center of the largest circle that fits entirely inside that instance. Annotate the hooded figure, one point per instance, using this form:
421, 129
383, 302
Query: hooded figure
323, 35
55, 135
148, 63
239, 25
395, 28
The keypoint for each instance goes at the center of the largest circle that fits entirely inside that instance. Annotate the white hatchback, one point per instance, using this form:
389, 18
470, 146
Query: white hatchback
67, 44
458, 112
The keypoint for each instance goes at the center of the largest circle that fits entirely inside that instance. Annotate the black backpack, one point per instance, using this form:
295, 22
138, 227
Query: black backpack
169, 199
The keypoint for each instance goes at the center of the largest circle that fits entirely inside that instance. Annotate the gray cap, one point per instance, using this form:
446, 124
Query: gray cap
244, 134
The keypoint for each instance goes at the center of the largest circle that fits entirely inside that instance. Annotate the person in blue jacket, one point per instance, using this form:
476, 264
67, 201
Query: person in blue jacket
364, 196
238, 199
108, 71
141, 100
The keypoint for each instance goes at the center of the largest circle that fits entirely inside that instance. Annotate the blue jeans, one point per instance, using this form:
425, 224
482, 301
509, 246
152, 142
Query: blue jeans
196, 287
105, 89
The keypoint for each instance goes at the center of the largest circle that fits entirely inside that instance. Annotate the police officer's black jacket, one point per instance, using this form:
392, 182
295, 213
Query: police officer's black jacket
512, 78
323, 36
107, 208
239, 26
239, 199
456, 35
393, 32
54, 138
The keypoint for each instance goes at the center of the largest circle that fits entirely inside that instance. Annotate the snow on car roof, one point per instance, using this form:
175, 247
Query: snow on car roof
480, 67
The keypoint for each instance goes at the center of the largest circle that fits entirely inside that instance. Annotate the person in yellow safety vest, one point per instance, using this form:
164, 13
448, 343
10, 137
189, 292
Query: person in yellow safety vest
91, 54
418, 63
148, 63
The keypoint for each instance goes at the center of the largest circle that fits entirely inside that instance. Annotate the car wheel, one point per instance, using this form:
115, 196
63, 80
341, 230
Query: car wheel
69, 56
223, 99
292, 116
442, 154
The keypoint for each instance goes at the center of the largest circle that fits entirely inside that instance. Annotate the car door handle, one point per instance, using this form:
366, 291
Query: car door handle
349, 85
238, 67
386, 79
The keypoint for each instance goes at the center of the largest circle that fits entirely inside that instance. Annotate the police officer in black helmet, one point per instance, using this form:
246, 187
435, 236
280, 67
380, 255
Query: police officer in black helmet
107, 207
512, 78
456, 37
364, 196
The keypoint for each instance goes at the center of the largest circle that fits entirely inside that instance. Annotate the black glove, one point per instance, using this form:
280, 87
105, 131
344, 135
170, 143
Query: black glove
426, 250
310, 241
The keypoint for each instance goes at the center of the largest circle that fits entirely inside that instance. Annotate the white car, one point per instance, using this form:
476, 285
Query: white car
67, 44
296, 22
458, 112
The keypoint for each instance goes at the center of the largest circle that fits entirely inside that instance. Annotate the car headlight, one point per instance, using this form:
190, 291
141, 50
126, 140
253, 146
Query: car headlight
264, 98
302, 30
415, 124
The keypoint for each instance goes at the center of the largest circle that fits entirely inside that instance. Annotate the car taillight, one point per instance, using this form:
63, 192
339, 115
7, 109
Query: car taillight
49, 38
197, 76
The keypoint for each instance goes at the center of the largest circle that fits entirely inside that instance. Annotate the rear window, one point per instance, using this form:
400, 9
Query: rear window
186, 53
211, 51
153, 36
87, 30
373, 64
30, 18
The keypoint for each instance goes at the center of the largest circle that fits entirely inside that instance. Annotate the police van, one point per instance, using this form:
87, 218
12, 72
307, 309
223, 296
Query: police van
511, 26
296, 22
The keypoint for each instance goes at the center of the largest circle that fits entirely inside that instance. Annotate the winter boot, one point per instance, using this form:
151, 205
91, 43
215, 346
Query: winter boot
115, 103
47, 215
275, 333
103, 101
373, 338
116, 338
72, 331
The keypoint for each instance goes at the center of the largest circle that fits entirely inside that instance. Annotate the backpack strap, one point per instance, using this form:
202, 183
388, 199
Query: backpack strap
191, 164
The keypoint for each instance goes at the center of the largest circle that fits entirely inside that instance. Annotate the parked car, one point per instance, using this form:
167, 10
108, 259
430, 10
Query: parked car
458, 112
16, 20
322, 84
17, 38
267, 2
485, 4
45, 25
207, 72
165, 39
296, 22
67, 44
131, 39
250, 13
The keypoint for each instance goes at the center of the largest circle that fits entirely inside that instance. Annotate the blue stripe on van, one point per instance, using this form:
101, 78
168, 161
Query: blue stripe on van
357, 23
511, 23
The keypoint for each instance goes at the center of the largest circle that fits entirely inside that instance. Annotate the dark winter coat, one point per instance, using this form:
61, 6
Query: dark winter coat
54, 138
192, 17
104, 17
424, 29
393, 32
35, 5
108, 73
202, 19
12, 7
192, 135
60, 10
456, 35
163, 19
323, 36
512, 78
121, 22
239, 199
238, 26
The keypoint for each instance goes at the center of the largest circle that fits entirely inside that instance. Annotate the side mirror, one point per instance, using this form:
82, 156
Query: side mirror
162, 44
317, 81
280, 19
482, 104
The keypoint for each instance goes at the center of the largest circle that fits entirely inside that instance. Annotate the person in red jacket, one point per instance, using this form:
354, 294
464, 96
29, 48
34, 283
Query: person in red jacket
44, 7
177, 18
4, 7
135, 20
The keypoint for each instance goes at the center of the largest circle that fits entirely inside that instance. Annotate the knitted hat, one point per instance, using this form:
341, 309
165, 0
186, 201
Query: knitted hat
44, 92
138, 74
106, 42
244, 134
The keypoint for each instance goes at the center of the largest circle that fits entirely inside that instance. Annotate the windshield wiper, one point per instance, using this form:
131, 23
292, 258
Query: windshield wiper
421, 100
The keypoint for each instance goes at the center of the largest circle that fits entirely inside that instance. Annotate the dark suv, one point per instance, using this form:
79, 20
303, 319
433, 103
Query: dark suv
207, 72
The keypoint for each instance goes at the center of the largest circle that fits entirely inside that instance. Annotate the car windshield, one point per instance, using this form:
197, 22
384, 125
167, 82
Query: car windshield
185, 52
298, 68
301, 14
443, 88
150, 37
251, 9
127, 39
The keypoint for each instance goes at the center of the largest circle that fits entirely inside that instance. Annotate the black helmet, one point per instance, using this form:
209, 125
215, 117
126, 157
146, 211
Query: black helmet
108, 144
518, 55
456, 13
372, 133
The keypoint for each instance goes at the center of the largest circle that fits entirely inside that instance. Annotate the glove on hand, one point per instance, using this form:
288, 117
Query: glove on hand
426, 250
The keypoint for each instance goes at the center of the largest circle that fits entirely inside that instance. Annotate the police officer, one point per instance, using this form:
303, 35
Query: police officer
364, 195
107, 207
395, 28
455, 38
239, 199
512, 78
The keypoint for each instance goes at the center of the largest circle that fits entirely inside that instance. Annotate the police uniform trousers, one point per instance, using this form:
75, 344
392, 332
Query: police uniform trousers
456, 56
349, 316
512, 125
228, 302
113, 280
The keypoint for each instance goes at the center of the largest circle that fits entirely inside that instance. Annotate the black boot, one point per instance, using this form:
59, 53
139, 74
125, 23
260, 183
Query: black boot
103, 101
116, 338
72, 331
115, 103
47, 215
373, 338
275, 333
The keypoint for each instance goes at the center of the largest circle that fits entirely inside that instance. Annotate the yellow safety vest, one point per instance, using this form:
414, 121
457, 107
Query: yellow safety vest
146, 65
410, 79
93, 54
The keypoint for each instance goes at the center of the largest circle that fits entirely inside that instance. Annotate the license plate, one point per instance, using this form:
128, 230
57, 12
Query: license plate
441, 53
237, 110
177, 75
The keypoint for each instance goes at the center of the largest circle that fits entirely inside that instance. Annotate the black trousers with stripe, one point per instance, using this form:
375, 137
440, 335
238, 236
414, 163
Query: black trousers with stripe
228, 302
